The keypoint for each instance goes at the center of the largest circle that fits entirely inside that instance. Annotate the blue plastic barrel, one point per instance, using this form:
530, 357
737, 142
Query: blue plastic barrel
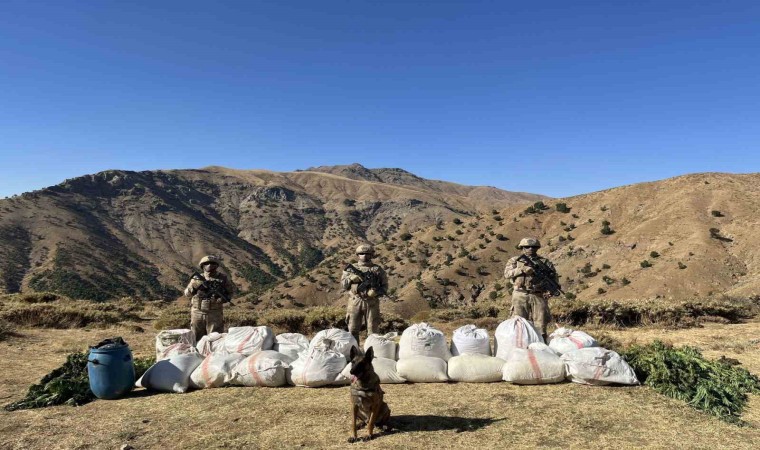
111, 371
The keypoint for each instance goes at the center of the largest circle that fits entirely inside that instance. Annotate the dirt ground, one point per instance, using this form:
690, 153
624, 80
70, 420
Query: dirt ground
442, 416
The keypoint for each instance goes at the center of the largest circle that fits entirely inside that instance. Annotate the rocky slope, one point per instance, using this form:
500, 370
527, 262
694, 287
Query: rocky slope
120, 233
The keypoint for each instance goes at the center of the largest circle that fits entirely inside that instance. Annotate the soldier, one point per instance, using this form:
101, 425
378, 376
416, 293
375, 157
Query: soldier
208, 295
530, 297
366, 282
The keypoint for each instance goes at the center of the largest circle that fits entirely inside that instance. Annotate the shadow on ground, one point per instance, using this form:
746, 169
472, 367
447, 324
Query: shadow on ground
408, 423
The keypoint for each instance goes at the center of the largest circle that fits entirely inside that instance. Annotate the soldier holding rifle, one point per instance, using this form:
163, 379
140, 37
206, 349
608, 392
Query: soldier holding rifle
534, 281
366, 283
209, 291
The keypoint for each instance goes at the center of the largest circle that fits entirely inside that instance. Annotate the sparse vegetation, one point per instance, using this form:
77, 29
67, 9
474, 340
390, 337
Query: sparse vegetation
645, 264
716, 213
606, 230
654, 254
562, 207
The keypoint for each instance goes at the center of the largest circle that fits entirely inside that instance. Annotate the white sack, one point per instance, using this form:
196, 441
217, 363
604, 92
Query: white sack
265, 368
211, 343
565, 340
290, 345
422, 369
215, 371
423, 340
475, 368
384, 345
176, 349
598, 366
537, 364
385, 369
167, 338
316, 367
514, 333
335, 339
170, 375
248, 340
470, 339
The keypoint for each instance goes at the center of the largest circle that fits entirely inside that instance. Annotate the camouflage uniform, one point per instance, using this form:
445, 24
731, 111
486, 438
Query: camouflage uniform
529, 298
364, 307
206, 314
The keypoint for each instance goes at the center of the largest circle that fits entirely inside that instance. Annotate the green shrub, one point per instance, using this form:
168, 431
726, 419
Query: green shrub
645, 264
405, 236
562, 207
606, 230
654, 254
716, 213
173, 317
681, 265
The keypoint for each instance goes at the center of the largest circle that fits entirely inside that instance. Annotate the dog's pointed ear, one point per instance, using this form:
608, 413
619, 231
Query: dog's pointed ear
354, 352
370, 354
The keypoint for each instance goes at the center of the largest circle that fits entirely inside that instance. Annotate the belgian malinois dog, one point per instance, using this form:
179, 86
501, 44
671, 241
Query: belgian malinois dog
366, 396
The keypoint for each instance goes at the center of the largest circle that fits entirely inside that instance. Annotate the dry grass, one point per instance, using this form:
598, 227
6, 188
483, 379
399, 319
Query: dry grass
45, 310
434, 415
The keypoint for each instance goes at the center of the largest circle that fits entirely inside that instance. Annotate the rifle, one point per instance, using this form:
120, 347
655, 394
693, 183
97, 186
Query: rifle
370, 280
544, 274
214, 289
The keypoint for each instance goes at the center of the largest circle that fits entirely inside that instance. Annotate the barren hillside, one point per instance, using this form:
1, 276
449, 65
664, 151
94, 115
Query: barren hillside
693, 233
120, 233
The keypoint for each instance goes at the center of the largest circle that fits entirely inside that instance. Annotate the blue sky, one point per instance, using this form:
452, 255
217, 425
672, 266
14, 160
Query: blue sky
558, 98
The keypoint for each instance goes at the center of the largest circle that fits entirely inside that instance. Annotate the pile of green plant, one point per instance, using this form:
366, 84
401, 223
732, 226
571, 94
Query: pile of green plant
682, 373
68, 384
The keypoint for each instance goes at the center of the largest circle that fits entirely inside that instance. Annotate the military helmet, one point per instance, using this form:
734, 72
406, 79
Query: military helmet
529, 242
208, 259
365, 248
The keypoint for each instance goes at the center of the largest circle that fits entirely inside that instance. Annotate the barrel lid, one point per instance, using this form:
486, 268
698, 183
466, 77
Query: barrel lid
110, 343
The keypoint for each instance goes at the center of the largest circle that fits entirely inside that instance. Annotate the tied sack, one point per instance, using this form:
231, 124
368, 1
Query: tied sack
385, 369
167, 338
211, 343
383, 344
472, 340
423, 340
215, 371
248, 340
290, 345
170, 375
265, 368
565, 340
514, 333
475, 368
318, 366
177, 349
598, 366
335, 339
537, 364
422, 369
